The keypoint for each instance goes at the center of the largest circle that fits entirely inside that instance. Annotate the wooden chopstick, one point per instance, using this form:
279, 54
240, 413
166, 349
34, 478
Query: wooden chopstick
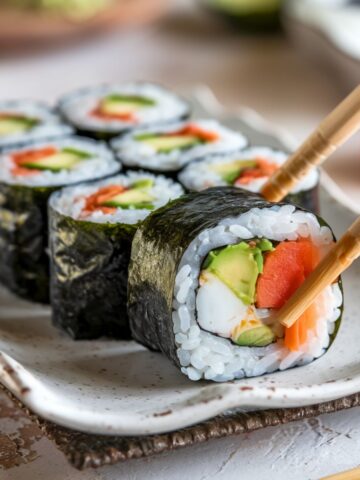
353, 474
340, 257
332, 132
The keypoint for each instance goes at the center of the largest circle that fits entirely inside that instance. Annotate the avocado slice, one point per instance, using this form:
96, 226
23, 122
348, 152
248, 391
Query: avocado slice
66, 159
259, 336
16, 124
238, 266
167, 143
121, 104
230, 171
144, 183
133, 198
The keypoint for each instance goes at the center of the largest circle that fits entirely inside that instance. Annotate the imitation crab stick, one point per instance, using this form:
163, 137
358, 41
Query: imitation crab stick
286, 268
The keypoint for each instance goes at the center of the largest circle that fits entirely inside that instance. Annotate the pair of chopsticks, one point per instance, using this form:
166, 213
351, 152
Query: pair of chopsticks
332, 132
353, 474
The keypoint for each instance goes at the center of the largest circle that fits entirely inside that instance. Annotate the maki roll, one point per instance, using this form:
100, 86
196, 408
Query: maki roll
23, 121
168, 148
109, 110
91, 231
209, 271
249, 169
28, 175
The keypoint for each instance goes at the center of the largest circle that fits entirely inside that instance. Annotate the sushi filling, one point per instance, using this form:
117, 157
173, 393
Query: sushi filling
116, 108
26, 121
124, 199
187, 137
56, 163
171, 147
111, 197
11, 123
248, 169
242, 285
121, 107
243, 172
231, 281
34, 161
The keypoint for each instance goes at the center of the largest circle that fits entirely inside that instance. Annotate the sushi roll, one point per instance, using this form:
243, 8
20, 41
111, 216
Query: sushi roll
91, 231
28, 176
109, 110
23, 121
248, 169
209, 271
168, 148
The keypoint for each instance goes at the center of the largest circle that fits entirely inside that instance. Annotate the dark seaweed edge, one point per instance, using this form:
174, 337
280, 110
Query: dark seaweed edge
92, 303
24, 261
23, 222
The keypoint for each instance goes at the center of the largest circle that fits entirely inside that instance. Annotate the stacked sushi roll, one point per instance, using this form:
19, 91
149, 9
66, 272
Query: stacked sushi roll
91, 231
209, 270
109, 110
23, 121
28, 176
248, 169
168, 148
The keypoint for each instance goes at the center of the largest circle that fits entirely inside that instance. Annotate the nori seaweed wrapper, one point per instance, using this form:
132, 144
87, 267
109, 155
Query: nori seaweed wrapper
89, 273
157, 250
24, 263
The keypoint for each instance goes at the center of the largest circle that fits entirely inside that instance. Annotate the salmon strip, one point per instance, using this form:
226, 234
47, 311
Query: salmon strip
285, 269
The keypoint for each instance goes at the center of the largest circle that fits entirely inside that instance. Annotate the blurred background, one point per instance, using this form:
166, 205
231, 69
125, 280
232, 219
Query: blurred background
292, 61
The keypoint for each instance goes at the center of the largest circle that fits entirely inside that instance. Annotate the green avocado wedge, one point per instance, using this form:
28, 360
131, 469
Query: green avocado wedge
168, 143
117, 104
230, 171
66, 159
238, 266
15, 124
134, 198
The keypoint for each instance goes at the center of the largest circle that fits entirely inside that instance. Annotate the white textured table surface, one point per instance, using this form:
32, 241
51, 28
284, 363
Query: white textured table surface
266, 74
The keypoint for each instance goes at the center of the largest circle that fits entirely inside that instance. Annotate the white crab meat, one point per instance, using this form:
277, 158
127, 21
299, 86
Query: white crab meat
219, 310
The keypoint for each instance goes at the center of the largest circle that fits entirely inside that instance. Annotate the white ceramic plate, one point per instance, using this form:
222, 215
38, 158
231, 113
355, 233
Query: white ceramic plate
112, 387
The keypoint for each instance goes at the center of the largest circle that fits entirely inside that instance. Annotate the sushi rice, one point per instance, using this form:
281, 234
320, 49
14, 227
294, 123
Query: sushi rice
204, 173
206, 355
77, 106
100, 163
47, 124
135, 153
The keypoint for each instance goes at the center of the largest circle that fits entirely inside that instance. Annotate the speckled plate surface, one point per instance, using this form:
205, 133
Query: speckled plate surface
119, 388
